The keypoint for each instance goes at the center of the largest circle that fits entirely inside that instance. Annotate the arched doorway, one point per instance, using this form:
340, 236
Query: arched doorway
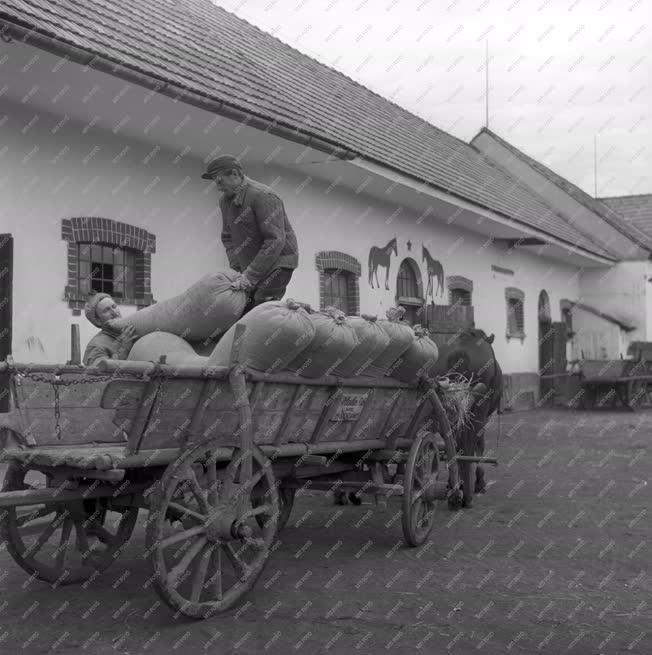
546, 348
409, 291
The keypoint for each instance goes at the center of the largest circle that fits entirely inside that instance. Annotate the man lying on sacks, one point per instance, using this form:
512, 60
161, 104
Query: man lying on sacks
259, 240
109, 343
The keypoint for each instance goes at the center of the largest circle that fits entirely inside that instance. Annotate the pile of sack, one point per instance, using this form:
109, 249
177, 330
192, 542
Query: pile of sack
278, 336
288, 336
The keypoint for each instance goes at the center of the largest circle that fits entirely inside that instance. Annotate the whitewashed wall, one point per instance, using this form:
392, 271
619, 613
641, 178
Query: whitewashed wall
596, 338
344, 221
51, 170
648, 302
620, 291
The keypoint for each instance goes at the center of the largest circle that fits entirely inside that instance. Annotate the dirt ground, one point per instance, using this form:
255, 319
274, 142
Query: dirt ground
555, 558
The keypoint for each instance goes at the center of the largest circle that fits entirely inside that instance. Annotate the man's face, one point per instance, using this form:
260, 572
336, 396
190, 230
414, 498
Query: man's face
228, 182
107, 309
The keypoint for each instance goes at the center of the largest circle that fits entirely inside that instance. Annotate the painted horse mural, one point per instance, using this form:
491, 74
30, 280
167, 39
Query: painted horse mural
471, 355
435, 269
381, 257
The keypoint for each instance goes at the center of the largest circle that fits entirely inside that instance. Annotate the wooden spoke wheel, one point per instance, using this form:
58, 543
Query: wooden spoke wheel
419, 481
62, 543
221, 534
285, 501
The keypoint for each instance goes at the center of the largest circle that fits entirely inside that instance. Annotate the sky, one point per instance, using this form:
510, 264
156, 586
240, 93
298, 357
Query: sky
563, 74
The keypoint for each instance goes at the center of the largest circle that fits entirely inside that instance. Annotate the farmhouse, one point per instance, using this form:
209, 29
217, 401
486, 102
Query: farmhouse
109, 112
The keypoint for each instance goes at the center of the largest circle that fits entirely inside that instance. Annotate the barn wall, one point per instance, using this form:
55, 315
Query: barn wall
345, 221
597, 338
54, 169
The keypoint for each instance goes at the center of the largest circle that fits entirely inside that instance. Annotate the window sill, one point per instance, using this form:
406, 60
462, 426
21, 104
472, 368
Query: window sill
138, 302
410, 300
515, 335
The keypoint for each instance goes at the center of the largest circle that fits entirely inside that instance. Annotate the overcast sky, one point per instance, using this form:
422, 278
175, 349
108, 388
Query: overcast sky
560, 71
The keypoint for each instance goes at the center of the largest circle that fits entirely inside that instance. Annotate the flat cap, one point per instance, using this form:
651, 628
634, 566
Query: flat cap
221, 163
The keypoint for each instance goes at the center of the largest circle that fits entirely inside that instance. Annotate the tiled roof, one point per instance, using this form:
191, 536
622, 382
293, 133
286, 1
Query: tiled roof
605, 212
204, 48
637, 210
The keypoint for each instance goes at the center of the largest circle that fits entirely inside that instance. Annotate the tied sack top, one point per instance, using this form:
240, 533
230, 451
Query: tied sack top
333, 342
418, 360
372, 341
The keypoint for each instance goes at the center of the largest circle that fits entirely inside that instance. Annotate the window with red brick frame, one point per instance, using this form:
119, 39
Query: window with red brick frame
339, 283
106, 255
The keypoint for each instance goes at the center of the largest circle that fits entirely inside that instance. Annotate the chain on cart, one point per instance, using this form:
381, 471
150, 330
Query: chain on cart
57, 381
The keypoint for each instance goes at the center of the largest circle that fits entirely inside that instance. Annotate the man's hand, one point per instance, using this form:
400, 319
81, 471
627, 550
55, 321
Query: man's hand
126, 340
128, 335
242, 283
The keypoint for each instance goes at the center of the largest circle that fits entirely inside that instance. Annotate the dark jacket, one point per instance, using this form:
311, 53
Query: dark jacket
256, 232
105, 345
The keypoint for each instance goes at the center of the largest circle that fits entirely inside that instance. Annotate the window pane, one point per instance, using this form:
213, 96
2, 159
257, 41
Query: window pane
130, 274
96, 253
130, 257
118, 274
84, 251
107, 254
118, 256
460, 297
96, 270
336, 290
107, 272
84, 269
407, 282
96, 285
130, 290
119, 290
85, 286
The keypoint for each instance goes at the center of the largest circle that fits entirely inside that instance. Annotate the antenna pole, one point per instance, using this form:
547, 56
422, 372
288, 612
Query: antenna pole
486, 84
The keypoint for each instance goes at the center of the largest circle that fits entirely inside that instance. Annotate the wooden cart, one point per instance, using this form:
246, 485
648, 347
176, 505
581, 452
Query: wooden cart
216, 457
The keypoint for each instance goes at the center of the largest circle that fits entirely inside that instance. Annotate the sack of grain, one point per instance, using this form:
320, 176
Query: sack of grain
275, 333
418, 360
208, 308
177, 352
333, 342
372, 340
400, 336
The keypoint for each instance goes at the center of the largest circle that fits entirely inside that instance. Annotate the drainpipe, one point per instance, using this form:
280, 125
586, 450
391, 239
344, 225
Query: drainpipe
10, 29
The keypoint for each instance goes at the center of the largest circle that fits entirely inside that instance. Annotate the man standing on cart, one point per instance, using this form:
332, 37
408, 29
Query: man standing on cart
257, 235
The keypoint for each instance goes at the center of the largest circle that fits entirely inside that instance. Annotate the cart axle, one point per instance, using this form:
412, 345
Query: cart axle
62, 495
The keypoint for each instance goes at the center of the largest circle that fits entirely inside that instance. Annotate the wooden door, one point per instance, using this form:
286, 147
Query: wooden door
546, 361
6, 286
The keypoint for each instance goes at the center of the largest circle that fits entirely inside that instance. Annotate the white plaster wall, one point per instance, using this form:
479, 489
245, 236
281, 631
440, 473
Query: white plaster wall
596, 338
622, 292
348, 222
648, 302
50, 171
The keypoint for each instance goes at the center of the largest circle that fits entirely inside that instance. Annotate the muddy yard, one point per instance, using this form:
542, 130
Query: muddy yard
555, 558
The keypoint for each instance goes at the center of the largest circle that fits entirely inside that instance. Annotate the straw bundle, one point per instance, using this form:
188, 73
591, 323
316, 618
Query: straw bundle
457, 401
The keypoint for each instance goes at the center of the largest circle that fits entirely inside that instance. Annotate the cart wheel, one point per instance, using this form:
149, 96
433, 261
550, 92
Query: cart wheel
285, 501
210, 562
62, 543
421, 472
